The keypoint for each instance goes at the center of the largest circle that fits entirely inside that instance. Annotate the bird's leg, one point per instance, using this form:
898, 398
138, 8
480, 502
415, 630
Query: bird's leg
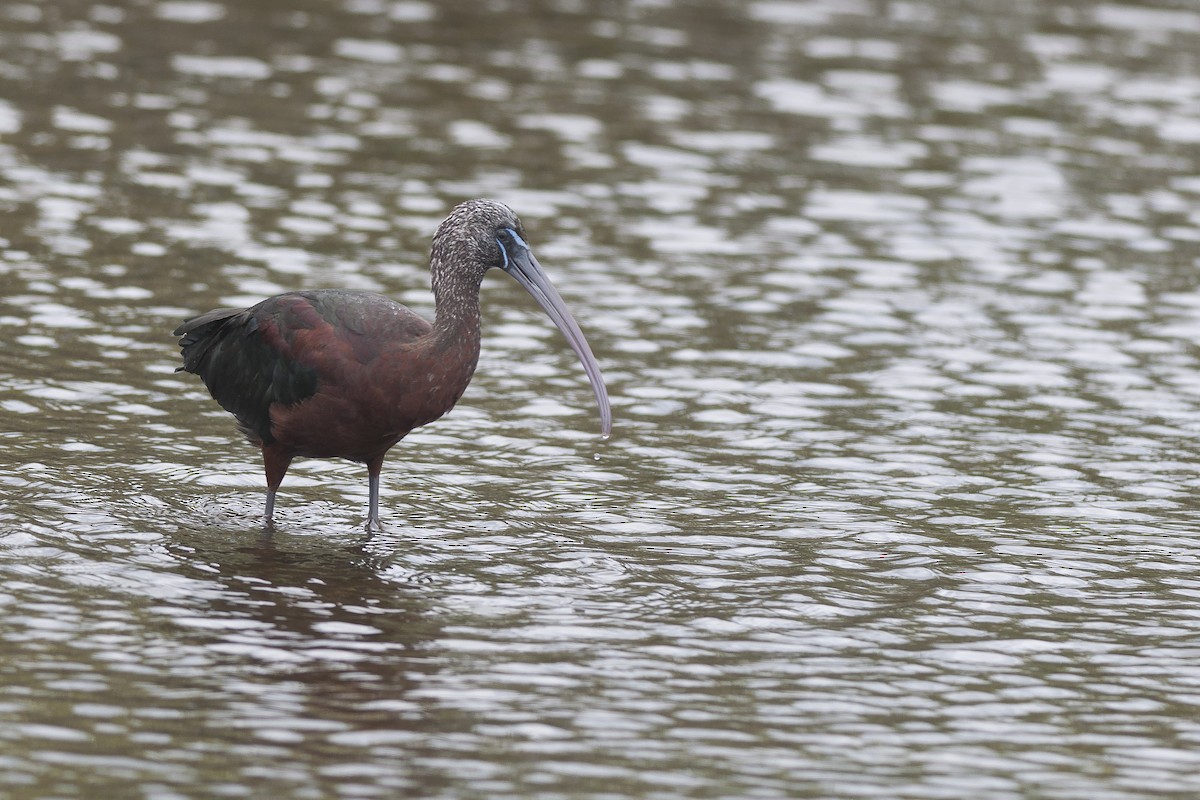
374, 467
275, 463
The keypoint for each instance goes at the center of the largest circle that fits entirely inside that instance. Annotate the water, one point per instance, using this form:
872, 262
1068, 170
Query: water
896, 301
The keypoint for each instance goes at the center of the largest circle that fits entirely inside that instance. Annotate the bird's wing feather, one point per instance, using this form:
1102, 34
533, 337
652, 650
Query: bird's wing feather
243, 369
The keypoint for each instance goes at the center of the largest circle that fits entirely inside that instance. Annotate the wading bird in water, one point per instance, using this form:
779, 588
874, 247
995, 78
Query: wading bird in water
340, 374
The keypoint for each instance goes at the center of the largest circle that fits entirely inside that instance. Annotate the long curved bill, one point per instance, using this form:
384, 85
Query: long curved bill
528, 272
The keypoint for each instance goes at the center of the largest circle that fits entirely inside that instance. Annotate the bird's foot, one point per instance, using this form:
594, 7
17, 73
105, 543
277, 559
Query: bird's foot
374, 525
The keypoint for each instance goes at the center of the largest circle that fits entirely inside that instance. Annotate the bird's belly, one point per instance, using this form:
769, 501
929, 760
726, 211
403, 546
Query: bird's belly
357, 427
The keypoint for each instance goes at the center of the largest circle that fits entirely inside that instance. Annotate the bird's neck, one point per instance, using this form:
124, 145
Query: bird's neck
456, 309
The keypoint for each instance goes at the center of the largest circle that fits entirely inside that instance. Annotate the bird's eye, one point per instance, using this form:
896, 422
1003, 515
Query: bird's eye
508, 248
510, 243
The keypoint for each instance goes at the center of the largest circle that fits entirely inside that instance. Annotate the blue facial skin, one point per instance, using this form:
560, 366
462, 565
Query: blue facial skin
504, 250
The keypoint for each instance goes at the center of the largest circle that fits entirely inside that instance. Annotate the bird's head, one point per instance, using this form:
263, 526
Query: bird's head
482, 234
478, 235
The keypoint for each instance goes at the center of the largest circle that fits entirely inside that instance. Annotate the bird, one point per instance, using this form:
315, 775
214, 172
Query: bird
334, 373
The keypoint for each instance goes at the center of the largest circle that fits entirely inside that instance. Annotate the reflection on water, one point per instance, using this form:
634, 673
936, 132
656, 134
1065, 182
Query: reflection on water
896, 304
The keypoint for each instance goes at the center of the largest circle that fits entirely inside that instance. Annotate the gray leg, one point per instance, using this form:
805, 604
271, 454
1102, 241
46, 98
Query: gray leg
275, 461
373, 470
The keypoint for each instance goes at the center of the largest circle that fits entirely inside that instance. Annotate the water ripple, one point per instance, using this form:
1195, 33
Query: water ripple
896, 307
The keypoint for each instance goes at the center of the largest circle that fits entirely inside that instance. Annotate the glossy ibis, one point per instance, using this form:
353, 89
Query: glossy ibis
341, 374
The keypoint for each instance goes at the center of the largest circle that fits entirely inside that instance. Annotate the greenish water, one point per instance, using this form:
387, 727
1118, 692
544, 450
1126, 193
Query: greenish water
897, 302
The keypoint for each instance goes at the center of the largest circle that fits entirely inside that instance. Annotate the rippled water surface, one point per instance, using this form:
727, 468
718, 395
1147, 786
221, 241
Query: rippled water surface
897, 303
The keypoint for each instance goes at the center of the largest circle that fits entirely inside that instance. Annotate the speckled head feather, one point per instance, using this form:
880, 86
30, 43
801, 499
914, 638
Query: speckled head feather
465, 247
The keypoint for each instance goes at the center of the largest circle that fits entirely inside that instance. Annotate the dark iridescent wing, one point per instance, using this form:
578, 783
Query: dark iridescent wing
245, 370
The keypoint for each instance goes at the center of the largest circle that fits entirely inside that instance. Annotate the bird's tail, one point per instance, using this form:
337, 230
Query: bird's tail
199, 335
